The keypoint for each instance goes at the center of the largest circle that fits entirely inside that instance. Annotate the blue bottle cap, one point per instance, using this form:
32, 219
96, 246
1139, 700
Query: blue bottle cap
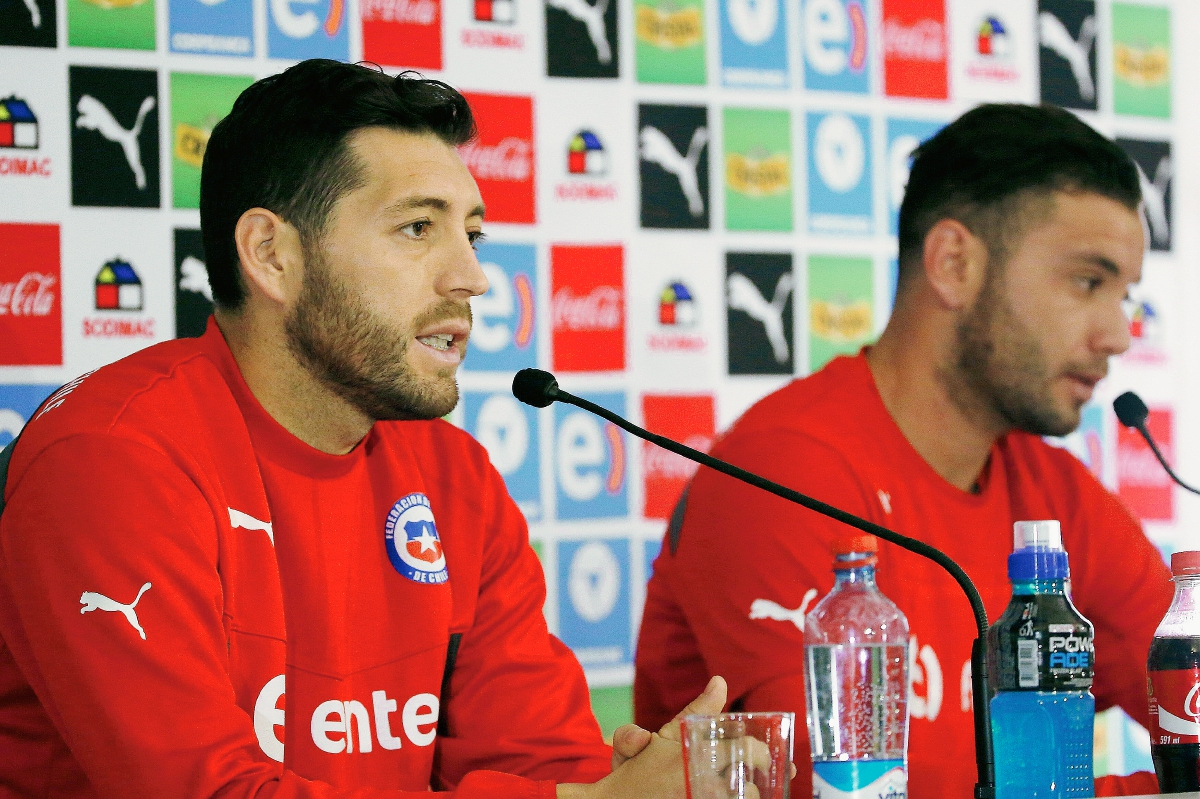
1037, 552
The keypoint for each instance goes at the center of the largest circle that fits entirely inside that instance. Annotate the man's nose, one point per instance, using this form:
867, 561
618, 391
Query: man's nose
463, 276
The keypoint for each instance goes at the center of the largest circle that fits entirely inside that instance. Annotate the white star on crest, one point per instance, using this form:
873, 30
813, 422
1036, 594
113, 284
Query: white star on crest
427, 540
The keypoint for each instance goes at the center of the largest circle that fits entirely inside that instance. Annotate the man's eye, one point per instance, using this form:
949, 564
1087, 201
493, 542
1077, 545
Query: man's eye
416, 229
1090, 284
476, 238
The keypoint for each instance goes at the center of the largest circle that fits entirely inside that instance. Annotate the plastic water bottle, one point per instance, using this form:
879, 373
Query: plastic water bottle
1174, 666
1040, 664
856, 682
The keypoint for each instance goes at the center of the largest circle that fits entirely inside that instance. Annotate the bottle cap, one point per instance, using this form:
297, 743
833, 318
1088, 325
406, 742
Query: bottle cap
1038, 552
1186, 563
853, 550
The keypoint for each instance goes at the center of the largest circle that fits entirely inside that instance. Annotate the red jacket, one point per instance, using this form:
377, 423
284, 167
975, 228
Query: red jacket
195, 603
831, 437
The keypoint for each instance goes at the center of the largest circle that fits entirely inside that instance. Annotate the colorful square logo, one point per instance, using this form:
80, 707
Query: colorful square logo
903, 137
300, 29
754, 48
30, 295
1142, 483
1067, 54
758, 290
594, 617
591, 461
840, 198
758, 169
403, 33
504, 333
669, 41
835, 39
689, 419
587, 308
126, 24
193, 294
222, 28
1141, 60
841, 316
501, 156
508, 431
993, 50
114, 137
581, 39
915, 49
17, 404
198, 103
33, 23
673, 146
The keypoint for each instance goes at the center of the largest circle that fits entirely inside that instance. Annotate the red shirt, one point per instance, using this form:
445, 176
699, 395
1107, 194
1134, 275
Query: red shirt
831, 437
194, 602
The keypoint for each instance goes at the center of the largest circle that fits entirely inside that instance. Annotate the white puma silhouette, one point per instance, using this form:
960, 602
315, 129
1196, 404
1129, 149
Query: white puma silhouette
658, 149
93, 601
593, 17
1055, 36
766, 609
744, 296
248, 522
94, 116
35, 13
194, 277
1154, 200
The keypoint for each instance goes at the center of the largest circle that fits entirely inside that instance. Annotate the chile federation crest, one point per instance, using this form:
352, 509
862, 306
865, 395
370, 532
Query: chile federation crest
412, 541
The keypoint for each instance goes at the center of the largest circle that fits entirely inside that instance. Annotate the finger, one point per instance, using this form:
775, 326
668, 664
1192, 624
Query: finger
711, 701
628, 741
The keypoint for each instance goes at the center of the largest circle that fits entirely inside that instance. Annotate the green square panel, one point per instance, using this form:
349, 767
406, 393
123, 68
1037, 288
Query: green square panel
198, 103
121, 24
758, 169
613, 707
841, 315
1141, 60
669, 42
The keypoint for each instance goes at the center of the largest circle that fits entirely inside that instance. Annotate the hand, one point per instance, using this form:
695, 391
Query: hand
630, 739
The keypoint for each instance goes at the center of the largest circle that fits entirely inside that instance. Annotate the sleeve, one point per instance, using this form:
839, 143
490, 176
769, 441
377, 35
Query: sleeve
518, 699
1120, 583
139, 688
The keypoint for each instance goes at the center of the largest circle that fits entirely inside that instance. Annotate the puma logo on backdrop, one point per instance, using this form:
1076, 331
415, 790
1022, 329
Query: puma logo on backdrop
1154, 200
94, 601
744, 296
658, 149
592, 16
1055, 37
93, 115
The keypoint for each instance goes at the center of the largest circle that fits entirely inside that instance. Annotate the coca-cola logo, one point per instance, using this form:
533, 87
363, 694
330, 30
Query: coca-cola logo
668, 465
32, 295
600, 309
1139, 467
921, 41
1191, 704
409, 12
510, 161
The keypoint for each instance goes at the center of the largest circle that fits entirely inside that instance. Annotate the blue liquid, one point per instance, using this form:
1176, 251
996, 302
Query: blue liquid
1043, 744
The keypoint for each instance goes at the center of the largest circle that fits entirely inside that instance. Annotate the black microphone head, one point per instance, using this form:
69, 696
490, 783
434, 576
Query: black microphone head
1131, 411
535, 387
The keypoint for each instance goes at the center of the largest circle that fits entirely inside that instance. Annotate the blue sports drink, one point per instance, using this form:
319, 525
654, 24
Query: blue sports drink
1040, 666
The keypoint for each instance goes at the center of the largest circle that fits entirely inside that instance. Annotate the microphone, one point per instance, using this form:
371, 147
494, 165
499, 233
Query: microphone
539, 389
1132, 412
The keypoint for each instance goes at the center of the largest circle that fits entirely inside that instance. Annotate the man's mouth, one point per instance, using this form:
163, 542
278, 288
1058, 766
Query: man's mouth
438, 341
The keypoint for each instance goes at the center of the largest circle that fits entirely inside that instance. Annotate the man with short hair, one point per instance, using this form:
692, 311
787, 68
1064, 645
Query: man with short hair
257, 563
1019, 238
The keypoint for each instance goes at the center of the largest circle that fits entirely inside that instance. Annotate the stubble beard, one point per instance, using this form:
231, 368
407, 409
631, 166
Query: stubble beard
1002, 368
348, 349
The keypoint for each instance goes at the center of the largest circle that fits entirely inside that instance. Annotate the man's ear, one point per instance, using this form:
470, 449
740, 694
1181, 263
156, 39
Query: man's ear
271, 255
955, 263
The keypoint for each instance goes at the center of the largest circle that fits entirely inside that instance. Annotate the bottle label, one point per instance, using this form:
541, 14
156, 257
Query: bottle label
860, 779
1175, 706
1041, 643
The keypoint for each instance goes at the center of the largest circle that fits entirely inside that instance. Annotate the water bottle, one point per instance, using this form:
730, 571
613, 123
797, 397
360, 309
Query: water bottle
1174, 666
1040, 664
856, 682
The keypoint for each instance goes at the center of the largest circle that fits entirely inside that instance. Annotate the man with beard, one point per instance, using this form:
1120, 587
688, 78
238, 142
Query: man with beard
1019, 238
257, 563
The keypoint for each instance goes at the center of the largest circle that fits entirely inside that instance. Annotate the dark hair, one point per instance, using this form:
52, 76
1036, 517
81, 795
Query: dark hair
283, 147
983, 168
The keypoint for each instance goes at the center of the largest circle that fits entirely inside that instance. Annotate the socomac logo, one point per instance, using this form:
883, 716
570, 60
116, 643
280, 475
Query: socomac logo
510, 161
32, 295
93, 115
600, 309
1077, 51
744, 296
658, 149
592, 17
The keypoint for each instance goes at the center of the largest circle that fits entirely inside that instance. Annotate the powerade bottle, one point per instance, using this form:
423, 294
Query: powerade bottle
856, 682
1174, 666
1040, 664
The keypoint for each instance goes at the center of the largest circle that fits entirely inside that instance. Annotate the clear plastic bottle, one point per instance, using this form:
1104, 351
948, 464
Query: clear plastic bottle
1174, 666
1040, 667
856, 682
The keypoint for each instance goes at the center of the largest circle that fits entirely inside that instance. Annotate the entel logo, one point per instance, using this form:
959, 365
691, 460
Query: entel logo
835, 36
841, 154
590, 457
348, 721
503, 431
504, 300
301, 26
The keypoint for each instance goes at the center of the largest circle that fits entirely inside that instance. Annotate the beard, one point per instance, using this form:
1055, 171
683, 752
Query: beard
1003, 369
337, 338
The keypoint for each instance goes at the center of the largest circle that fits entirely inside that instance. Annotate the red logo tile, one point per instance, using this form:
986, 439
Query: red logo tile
30, 296
588, 308
501, 158
1142, 482
403, 33
915, 48
688, 419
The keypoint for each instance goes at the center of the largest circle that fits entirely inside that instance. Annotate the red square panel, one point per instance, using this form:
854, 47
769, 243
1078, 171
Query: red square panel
501, 157
915, 48
588, 308
689, 419
1141, 480
30, 296
402, 33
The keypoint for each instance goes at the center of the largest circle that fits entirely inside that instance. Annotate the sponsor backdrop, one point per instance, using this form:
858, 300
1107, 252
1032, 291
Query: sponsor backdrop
690, 202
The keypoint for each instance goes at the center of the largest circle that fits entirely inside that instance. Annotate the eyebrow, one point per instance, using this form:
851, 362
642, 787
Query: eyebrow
436, 203
1107, 264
